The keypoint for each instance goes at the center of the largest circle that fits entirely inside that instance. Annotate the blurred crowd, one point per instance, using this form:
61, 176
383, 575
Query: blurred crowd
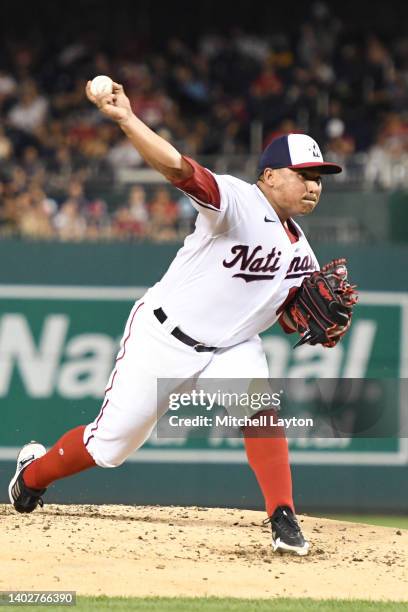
31, 214
60, 161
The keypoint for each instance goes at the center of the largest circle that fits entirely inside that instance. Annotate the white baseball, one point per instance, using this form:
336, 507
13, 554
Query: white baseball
101, 85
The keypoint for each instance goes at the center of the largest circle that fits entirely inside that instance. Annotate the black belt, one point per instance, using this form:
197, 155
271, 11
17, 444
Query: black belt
177, 333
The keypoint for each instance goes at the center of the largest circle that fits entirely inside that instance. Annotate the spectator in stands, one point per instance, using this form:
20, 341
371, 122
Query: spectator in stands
8, 87
18, 182
9, 225
76, 195
163, 217
6, 151
30, 111
138, 207
388, 157
32, 164
123, 155
69, 223
149, 102
61, 170
98, 224
35, 215
124, 225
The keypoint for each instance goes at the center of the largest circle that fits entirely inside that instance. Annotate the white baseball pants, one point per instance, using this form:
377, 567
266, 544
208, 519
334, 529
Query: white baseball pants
148, 351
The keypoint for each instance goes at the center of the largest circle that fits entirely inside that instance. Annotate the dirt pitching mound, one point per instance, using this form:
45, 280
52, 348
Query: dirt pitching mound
140, 551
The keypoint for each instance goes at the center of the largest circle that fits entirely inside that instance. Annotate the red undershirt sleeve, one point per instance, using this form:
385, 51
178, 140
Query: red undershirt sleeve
201, 186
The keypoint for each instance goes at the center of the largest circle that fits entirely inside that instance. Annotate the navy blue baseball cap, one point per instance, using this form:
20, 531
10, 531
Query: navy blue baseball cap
295, 151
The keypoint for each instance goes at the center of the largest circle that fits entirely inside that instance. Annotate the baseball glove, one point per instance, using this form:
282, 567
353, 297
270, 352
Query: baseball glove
321, 309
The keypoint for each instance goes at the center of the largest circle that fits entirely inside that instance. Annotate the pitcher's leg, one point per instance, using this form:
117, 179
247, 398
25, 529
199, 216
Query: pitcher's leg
268, 457
120, 428
68, 456
106, 442
36, 468
128, 414
134, 399
266, 448
267, 451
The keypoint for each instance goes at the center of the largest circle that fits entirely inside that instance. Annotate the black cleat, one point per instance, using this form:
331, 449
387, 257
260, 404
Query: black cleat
286, 533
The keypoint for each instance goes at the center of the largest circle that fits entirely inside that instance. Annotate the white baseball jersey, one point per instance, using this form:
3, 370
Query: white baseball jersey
232, 274
223, 288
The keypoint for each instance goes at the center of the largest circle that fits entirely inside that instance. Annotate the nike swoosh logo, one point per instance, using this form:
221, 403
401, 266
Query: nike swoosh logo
269, 220
24, 461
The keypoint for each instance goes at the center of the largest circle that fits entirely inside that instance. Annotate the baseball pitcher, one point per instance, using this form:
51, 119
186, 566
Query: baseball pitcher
246, 265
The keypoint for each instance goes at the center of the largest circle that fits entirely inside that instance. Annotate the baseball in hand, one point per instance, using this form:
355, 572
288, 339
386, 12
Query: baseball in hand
101, 85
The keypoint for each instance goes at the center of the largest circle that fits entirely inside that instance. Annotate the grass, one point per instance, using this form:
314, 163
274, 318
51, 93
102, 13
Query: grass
215, 604
400, 522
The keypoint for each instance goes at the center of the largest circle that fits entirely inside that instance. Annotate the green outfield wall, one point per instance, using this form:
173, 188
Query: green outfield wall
62, 312
374, 267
